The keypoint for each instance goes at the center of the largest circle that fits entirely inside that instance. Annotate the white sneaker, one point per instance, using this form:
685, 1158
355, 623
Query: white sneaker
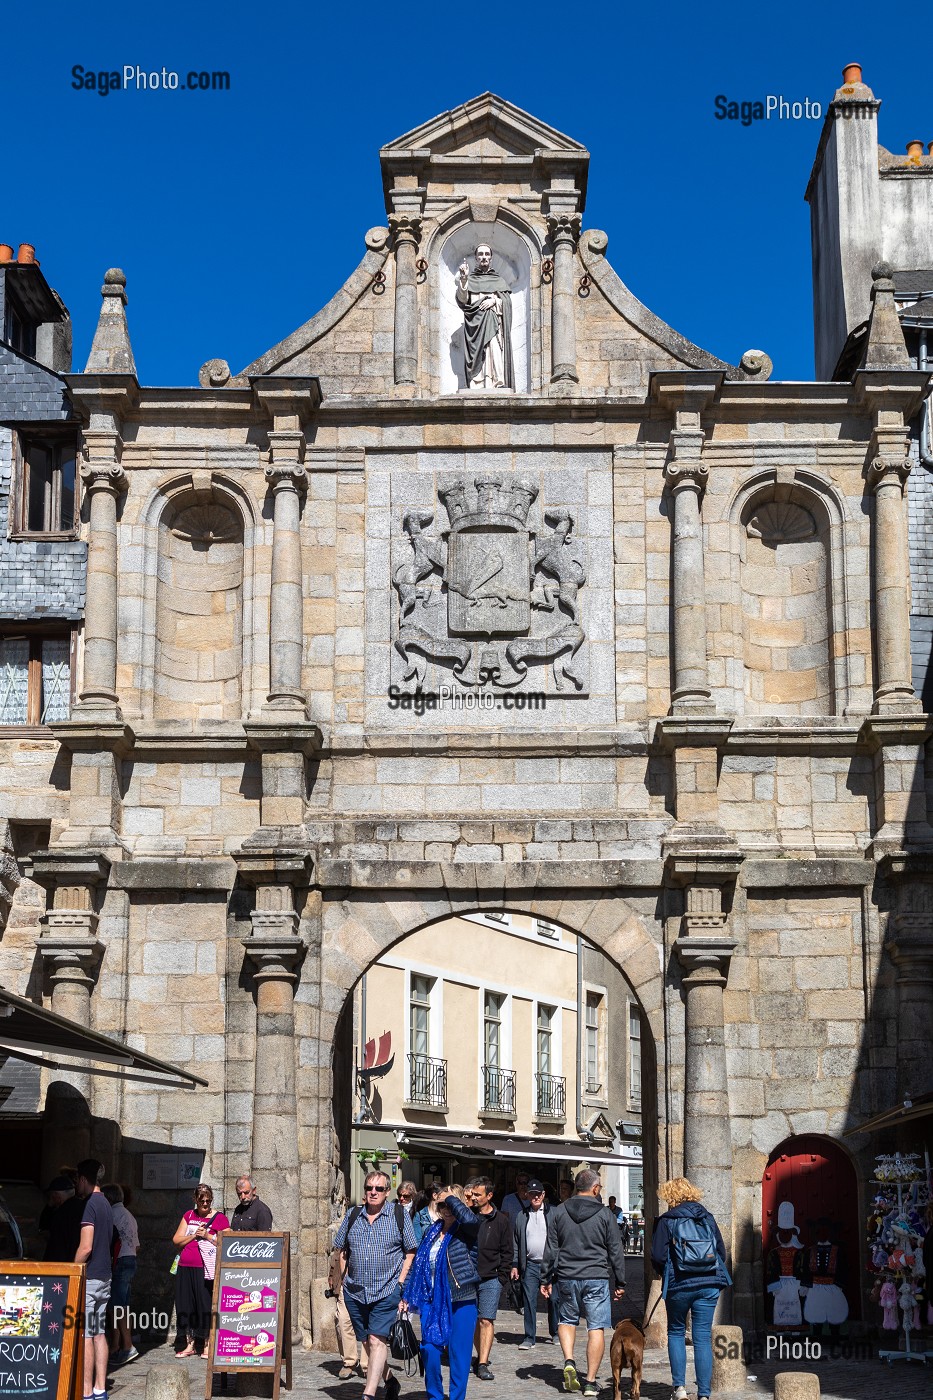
680, 1393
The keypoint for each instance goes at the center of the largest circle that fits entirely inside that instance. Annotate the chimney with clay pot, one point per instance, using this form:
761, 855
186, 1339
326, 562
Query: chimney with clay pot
6, 253
26, 253
914, 151
852, 74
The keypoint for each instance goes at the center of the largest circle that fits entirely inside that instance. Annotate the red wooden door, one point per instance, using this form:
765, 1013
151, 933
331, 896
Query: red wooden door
818, 1179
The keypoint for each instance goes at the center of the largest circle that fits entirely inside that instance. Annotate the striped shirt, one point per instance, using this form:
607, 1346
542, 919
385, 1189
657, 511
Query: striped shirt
375, 1252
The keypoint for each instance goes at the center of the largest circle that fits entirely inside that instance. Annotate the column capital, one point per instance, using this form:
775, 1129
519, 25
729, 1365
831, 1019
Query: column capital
99, 474
705, 959
405, 228
274, 946
564, 227
887, 471
70, 957
911, 948
287, 473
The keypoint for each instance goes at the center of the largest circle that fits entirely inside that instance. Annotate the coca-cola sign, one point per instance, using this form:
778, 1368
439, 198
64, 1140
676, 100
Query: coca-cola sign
251, 1249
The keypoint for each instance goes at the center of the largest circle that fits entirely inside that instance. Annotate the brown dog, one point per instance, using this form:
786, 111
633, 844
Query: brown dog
627, 1349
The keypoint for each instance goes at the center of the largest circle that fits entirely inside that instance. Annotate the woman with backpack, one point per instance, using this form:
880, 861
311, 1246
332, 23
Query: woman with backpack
443, 1288
687, 1250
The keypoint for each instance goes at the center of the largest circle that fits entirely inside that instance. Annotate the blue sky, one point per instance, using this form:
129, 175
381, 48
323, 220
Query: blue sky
237, 215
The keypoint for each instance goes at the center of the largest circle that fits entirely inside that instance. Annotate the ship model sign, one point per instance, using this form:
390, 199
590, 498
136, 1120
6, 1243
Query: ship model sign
489, 598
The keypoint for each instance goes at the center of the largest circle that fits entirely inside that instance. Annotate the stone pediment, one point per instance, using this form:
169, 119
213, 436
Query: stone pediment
486, 125
489, 133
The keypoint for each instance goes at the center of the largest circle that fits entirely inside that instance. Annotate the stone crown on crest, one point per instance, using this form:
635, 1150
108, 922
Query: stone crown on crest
488, 502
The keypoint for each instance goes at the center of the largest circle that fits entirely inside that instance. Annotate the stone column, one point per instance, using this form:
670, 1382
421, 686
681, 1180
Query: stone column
406, 235
887, 477
564, 229
687, 475
71, 955
704, 951
104, 479
287, 479
274, 951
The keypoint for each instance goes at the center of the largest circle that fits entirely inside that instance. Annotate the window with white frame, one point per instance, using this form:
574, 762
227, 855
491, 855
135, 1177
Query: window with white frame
593, 1017
545, 1038
419, 1014
493, 1007
35, 678
634, 1054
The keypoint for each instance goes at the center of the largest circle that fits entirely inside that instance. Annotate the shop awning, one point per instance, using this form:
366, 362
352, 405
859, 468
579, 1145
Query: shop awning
906, 1112
526, 1150
29, 1032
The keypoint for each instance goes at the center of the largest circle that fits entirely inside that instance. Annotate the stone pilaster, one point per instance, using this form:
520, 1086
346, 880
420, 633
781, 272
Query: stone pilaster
291, 404
564, 229
898, 742
406, 235
287, 480
910, 947
887, 477
686, 474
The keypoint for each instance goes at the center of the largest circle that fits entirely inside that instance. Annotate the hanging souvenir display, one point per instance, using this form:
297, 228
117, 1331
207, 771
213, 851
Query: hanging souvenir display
898, 1226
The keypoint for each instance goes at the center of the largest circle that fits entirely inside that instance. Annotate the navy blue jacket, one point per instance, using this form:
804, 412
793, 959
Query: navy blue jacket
462, 1251
660, 1248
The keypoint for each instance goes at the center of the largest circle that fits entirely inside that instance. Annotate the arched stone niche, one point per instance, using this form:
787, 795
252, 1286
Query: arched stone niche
199, 611
511, 258
786, 606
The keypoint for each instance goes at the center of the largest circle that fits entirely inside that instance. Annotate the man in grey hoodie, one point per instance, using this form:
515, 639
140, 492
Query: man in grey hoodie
583, 1256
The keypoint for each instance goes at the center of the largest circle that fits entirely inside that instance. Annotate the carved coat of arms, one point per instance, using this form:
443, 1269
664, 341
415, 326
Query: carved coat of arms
488, 598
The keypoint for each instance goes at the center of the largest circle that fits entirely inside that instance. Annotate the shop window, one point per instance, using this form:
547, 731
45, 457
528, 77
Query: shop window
47, 486
35, 679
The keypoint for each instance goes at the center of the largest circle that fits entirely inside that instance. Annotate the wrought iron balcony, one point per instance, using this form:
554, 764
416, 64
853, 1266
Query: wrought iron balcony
427, 1081
550, 1096
498, 1090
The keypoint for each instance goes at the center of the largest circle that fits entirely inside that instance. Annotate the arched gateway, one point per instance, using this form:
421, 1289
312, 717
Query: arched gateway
358, 931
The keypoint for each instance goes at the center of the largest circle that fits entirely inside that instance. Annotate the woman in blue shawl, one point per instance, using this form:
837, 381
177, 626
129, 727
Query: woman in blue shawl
442, 1288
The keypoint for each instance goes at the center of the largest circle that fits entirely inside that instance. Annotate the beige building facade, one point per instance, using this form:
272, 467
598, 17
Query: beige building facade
621, 646
513, 1046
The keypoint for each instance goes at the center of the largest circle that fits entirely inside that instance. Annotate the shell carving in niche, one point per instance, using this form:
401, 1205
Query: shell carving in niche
781, 522
206, 524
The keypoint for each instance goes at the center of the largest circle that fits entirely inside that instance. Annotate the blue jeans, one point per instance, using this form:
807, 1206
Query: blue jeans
701, 1304
531, 1283
459, 1354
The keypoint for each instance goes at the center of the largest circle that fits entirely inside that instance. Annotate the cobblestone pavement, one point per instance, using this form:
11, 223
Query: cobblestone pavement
524, 1375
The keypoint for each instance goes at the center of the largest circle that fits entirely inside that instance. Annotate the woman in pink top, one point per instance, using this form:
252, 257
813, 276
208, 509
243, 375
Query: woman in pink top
196, 1234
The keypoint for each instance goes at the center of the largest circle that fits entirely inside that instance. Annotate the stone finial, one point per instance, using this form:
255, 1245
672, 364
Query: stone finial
885, 347
111, 351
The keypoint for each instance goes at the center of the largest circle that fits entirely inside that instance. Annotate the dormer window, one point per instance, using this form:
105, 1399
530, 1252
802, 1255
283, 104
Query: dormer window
19, 332
47, 501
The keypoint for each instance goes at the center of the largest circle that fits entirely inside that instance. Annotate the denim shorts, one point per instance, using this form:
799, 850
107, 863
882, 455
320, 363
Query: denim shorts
488, 1293
588, 1297
123, 1272
372, 1319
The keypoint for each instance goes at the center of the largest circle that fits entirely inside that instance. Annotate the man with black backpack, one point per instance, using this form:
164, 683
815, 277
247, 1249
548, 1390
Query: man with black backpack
688, 1251
377, 1244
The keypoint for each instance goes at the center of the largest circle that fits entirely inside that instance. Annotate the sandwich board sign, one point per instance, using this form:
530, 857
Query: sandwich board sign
251, 1315
41, 1329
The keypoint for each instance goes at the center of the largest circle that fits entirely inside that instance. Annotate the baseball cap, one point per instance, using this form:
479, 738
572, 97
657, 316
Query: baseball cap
534, 1186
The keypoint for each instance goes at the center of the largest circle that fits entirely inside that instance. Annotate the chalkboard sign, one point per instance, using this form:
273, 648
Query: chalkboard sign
251, 1317
41, 1330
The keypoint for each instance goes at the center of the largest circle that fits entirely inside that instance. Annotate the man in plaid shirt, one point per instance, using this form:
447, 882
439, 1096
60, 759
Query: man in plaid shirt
377, 1244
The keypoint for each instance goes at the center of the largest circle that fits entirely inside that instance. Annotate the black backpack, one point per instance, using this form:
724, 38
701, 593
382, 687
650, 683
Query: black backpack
692, 1246
355, 1214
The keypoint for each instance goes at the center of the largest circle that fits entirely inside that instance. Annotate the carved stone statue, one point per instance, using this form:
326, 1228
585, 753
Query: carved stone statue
486, 302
